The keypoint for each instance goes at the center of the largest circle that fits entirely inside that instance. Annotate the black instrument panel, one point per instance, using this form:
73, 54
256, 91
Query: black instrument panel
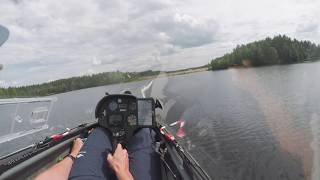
123, 114
117, 111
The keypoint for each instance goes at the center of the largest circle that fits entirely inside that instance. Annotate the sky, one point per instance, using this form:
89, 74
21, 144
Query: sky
56, 39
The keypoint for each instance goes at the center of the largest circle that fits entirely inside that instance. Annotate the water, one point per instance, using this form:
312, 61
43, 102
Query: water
257, 123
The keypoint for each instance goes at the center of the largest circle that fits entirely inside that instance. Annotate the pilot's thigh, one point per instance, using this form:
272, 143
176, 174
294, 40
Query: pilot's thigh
91, 162
144, 161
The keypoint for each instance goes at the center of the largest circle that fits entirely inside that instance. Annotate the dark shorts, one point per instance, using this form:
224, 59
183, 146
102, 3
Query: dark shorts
92, 164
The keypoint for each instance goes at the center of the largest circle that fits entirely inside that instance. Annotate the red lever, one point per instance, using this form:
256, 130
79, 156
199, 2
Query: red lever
181, 133
56, 137
167, 135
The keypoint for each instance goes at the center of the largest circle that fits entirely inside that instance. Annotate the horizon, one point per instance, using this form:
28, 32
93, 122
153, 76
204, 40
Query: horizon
181, 69
55, 40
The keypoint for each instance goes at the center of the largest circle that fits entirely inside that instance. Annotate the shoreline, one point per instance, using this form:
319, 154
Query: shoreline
250, 66
142, 78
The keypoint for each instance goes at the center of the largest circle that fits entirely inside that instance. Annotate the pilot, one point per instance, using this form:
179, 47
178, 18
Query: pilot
93, 159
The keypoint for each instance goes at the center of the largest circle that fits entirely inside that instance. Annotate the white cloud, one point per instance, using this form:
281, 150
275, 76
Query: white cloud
96, 61
56, 39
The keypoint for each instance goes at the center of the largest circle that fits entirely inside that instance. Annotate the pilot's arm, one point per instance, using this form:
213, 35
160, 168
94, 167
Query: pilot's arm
61, 170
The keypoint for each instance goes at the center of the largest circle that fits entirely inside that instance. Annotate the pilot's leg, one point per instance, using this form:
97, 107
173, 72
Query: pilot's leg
91, 163
144, 161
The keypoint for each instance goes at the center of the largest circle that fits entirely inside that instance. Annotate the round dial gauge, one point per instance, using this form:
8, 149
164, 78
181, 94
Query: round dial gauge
132, 120
113, 106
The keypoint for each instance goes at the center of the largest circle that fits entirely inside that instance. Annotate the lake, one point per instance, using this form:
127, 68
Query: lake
256, 123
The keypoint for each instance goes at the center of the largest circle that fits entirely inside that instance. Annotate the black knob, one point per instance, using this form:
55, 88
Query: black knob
127, 92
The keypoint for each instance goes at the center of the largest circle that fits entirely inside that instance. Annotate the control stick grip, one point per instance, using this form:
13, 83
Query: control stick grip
115, 143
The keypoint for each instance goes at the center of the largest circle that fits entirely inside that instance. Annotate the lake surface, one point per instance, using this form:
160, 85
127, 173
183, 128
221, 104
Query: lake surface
241, 124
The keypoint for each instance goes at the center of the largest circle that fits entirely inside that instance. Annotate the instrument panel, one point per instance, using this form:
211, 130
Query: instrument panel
122, 114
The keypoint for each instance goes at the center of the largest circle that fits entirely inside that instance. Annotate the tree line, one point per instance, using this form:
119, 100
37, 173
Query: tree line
280, 49
74, 83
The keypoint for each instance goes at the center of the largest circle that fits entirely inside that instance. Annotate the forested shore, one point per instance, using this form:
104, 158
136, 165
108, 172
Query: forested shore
74, 83
88, 81
270, 51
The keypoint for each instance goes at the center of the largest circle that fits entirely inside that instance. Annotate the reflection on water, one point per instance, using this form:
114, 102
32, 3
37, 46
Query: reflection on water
251, 123
278, 117
259, 123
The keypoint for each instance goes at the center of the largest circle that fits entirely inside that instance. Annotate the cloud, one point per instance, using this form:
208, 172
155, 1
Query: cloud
185, 31
96, 61
309, 29
57, 39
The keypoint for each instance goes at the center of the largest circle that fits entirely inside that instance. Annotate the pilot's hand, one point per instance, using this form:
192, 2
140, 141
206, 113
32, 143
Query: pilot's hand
119, 162
77, 145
